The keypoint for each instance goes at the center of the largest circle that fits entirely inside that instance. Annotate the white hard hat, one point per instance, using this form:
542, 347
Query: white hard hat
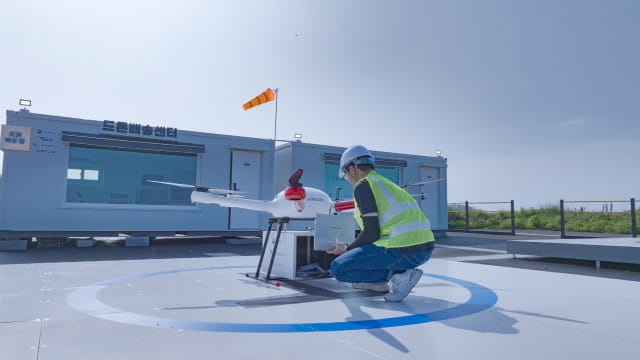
356, 154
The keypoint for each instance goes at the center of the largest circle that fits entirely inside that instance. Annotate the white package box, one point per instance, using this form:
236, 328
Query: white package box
284, 264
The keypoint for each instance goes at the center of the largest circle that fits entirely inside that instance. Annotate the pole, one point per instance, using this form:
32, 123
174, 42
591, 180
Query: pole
634, 221
275, 121
466, 216
562, 230
513, 218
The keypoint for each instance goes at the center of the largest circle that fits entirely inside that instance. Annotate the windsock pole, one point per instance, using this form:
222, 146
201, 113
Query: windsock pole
275, 121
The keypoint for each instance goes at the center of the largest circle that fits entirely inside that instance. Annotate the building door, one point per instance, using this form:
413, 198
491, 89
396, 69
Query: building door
431, 203
245, 177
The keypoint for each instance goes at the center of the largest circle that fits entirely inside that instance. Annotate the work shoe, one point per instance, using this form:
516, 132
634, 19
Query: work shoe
381, 287
401, 284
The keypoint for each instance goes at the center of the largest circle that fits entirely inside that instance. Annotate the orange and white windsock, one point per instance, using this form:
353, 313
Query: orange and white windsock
265, 96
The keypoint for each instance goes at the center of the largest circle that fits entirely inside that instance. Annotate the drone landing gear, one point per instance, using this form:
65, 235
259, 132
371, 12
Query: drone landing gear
265, 244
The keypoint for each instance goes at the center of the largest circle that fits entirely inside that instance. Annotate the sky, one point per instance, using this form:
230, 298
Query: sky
531, 101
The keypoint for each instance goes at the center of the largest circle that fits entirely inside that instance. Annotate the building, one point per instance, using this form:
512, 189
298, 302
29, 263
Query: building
321, 162
69, 177
72, 177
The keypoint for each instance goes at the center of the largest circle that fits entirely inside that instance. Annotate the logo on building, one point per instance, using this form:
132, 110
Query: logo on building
15, 138
137, 129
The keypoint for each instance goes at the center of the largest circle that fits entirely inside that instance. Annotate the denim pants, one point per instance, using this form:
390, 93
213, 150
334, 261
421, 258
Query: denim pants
369, 263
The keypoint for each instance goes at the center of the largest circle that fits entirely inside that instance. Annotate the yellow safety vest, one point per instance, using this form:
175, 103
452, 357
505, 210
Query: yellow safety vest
402, 222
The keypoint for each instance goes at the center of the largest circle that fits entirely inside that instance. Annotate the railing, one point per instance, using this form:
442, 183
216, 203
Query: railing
607, 208
499, 221
478, 228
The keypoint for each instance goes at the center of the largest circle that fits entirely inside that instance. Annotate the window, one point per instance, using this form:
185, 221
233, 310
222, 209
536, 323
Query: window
74, 174
83, 174
332, 181
118, 176
89, 174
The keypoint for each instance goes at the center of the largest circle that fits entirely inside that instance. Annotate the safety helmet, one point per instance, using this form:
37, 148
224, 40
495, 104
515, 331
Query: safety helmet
357, 155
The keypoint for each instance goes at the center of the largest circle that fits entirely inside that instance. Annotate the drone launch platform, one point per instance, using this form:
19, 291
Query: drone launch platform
204, 306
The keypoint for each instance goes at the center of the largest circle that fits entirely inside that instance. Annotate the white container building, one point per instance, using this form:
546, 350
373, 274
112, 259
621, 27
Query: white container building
320, 164
70, 177
64, 176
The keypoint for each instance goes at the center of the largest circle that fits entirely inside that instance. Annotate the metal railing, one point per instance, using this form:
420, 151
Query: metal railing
467, 227
607, 208
460, 212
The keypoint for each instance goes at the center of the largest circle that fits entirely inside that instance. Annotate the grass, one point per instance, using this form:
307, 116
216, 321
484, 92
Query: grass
545, 218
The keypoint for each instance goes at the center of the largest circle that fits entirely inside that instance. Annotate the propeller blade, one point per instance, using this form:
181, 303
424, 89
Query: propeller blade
424, 182
173, 184
200, 188
294, 179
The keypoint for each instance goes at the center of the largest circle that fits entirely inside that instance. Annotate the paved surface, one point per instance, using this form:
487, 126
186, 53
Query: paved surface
193, 300
487, 249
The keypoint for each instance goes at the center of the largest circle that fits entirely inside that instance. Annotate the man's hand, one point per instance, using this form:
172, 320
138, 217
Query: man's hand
340, 248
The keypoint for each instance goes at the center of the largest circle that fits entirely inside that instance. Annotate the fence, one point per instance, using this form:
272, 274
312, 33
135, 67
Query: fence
481, 223
580, 219
582, 214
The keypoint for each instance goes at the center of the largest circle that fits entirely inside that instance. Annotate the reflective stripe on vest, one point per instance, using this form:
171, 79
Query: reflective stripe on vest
402, 223
396, 207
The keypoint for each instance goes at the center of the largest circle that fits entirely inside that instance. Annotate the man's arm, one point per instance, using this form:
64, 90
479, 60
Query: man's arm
369, 214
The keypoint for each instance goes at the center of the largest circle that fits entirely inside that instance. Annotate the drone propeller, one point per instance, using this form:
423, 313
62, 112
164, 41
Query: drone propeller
224, 192
173, 184
294, 179
295, 191
423, 183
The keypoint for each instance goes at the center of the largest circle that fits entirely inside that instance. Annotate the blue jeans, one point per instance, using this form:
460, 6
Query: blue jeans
369, 263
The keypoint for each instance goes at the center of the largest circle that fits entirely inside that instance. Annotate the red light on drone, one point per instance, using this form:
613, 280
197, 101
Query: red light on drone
295, 193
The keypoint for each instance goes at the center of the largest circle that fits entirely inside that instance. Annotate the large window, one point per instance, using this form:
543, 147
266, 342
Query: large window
112, 176
332, 181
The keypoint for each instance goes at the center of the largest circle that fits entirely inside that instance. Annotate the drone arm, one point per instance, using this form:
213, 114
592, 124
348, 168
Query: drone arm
344, 205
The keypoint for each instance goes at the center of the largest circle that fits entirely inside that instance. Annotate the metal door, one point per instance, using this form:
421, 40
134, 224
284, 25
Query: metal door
431, 203
245, 176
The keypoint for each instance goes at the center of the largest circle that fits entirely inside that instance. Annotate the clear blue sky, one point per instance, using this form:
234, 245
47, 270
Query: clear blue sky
529, 100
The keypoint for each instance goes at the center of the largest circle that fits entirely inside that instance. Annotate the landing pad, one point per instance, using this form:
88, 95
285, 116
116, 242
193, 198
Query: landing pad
207, 307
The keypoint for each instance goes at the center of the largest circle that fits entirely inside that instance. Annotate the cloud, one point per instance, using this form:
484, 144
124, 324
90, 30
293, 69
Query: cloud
572, 123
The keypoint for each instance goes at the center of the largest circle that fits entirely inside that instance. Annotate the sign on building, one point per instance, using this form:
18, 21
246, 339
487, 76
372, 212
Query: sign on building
15, 138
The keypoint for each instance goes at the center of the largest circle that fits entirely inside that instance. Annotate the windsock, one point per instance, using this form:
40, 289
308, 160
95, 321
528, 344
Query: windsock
265, 96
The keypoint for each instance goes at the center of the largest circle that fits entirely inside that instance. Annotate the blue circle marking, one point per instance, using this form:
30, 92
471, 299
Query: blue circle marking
85, 299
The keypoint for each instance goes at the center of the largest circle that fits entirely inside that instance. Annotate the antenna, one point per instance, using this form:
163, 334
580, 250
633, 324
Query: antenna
338, 192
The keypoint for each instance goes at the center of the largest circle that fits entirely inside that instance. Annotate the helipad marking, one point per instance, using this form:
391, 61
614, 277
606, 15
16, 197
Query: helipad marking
85, 299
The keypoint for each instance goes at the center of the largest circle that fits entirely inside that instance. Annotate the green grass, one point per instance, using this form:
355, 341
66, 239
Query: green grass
545, 218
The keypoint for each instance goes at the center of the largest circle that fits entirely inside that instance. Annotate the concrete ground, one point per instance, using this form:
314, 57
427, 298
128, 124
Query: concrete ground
478, 248
191, 299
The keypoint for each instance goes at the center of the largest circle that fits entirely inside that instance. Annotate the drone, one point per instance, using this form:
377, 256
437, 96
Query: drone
295, 201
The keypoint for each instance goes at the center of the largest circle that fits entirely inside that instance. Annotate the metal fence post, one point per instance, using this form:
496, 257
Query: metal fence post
634, 221
513, 218
562, 232
466, 216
